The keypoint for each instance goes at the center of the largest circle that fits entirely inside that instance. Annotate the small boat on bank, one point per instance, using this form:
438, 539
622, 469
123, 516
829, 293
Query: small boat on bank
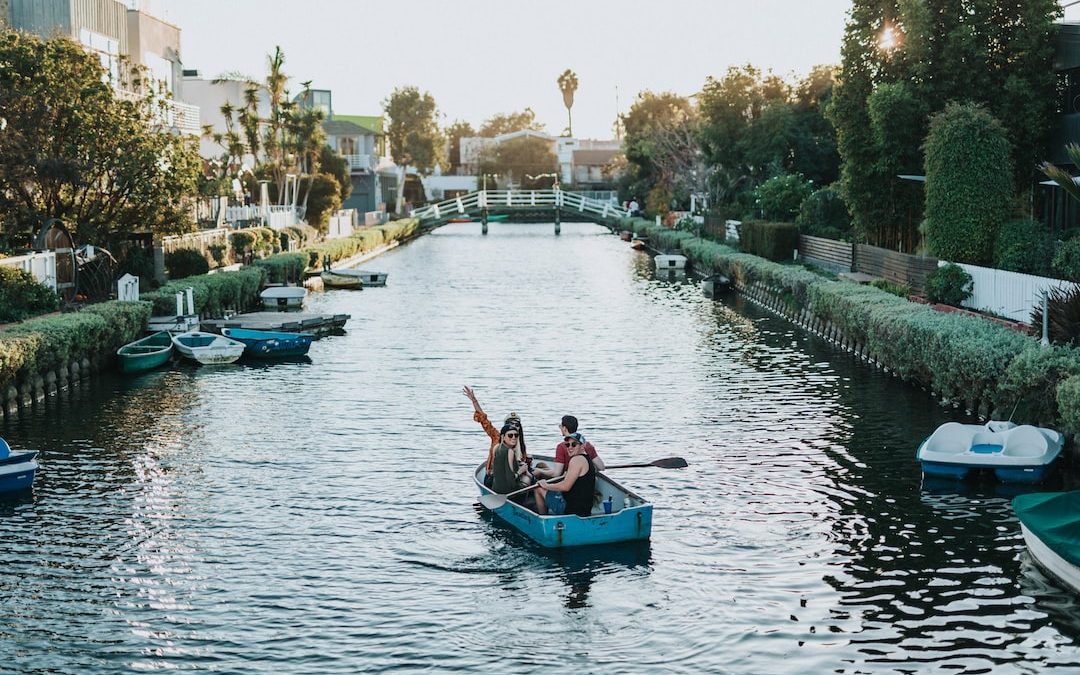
630, 520
670, 262
283, 297
265, 344
638, 241
341, 279
1050, 523
1016, 454
625, 235
460, 219
17, 469
365, 278
498, 218
207, 348
145, 354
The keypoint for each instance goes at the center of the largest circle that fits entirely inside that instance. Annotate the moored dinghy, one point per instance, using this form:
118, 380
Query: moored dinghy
341, 279
145, 354
1016, 454
17, 469
368, 277
265, 344
283, 297
630, 520
1050, 523
207, 348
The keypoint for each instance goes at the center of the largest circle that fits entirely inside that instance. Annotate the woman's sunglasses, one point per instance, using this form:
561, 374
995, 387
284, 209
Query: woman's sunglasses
511, 434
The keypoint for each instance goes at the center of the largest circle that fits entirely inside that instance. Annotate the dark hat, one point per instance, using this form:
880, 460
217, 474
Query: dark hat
575, 437
508, 427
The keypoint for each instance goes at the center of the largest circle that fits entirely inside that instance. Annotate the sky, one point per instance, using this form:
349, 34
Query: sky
482, 57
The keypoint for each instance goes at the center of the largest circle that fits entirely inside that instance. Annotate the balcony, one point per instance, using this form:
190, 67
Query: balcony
183, 117
361, 162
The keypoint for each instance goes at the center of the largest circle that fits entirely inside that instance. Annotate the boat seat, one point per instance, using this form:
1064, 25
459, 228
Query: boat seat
1025, 441
987, 442
950, 438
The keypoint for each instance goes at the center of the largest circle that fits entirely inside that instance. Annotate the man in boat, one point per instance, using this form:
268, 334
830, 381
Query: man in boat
567, 425
575, 488
521, 453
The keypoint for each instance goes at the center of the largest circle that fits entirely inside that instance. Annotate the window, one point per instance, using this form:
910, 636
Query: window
107, 50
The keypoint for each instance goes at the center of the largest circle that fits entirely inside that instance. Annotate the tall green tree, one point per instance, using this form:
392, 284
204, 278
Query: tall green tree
454, 133
568, 84
413, 131
527, 162
998, 54
649, 114
72, 150
506, 123
968, 183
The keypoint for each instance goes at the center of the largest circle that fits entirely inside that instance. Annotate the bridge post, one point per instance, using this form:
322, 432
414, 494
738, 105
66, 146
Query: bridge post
484, 221
558, 216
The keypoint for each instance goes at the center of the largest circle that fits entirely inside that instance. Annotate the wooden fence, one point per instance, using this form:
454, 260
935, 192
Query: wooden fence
900, 268
835, 256
842, 256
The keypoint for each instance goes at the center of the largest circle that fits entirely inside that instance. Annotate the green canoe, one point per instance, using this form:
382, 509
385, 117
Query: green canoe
145, 354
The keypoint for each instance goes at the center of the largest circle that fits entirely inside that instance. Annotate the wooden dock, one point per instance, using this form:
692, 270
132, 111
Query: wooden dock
289, 322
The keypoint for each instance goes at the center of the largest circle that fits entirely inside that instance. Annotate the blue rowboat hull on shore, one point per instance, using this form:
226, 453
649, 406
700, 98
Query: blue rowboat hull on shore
624, 524
17, 471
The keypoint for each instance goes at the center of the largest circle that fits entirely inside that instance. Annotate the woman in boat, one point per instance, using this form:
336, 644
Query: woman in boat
576, 486
519, 451
508, 473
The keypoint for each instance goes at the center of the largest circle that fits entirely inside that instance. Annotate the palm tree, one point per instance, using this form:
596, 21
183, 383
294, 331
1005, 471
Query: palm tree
568, 85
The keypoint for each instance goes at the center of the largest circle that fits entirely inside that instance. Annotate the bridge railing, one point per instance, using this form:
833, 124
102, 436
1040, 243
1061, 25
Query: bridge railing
490, 199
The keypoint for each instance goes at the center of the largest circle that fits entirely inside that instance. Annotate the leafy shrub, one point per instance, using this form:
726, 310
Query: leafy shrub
21, 295
1024, 246
185, 262
899, 290
218, 252
1030, 381
824, 214
1066, 264
1068, 400
243, 240
780, 197
969, 183
948, 284
284, 267
658, 202
773, 241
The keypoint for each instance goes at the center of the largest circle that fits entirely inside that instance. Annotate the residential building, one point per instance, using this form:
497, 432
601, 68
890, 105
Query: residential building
1059, 210
118, 36
210, 95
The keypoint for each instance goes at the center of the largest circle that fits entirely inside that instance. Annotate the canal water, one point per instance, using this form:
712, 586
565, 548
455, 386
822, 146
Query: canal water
319, 517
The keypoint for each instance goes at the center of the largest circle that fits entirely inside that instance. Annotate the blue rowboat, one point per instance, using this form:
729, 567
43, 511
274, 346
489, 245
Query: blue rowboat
630, 520
265, 344
17, 469
1016, 454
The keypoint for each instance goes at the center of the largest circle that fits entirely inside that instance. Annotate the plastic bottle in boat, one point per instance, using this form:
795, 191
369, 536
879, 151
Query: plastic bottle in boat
626, 502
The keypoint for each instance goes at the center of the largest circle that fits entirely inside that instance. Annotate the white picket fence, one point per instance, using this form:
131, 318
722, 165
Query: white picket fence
1008, 294
42, 265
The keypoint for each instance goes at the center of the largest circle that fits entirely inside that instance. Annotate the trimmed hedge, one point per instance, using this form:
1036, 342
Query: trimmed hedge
962, 358
773, 241
186, 262
284, 267
50, 342
213, 293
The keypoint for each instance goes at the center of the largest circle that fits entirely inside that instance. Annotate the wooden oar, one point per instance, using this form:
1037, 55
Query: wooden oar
666, 463
495, 500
